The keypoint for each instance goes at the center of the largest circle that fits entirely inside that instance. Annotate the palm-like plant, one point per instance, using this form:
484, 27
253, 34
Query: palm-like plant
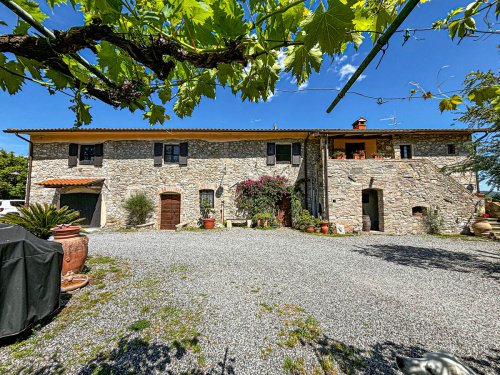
40, 218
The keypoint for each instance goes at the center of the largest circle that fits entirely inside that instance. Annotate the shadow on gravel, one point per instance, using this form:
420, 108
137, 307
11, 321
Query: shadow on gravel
425, 257
137, 356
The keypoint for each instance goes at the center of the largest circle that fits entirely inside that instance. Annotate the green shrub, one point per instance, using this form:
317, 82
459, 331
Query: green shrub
139, 207
434, 220
40, 218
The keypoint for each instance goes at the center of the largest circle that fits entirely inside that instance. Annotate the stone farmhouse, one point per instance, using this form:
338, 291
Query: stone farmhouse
94, 170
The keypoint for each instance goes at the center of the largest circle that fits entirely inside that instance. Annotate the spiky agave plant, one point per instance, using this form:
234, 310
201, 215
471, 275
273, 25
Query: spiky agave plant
40, 218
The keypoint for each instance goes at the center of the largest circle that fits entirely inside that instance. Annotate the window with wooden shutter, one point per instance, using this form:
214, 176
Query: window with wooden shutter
183, 153
271, 153
73, 155
284, 153
296, 153
158, 154
98, 154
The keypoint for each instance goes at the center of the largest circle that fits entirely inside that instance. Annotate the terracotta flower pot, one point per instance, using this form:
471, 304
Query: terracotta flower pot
208, 223
362, 157
75, 247
325, 228
310, 229
481, 225
355, 157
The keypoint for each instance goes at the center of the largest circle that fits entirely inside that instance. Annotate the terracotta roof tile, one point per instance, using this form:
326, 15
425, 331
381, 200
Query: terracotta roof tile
58, 182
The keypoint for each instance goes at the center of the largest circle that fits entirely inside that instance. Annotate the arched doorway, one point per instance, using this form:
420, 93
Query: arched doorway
372, 202
170, 210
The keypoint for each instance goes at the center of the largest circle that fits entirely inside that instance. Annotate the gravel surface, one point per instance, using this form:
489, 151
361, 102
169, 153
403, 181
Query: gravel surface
259, 302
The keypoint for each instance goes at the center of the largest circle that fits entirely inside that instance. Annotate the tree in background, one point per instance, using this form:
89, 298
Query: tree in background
13, 172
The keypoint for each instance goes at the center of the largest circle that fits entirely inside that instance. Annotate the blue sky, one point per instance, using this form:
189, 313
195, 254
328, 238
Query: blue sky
417, 61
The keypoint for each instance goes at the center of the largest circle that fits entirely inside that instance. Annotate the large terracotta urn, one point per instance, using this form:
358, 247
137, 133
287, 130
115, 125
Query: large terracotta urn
75, 247
481, 225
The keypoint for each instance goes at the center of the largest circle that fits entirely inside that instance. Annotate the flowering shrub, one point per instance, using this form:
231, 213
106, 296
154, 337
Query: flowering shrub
262, 195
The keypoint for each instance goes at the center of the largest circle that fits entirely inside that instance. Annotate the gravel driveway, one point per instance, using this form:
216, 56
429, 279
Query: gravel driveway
270, 302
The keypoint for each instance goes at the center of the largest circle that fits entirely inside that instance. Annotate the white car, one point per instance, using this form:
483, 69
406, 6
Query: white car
10, 205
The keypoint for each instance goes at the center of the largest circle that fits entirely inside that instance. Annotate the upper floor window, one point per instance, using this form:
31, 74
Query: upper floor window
87, 154
283, 153
171, 154
451, 149
405, 151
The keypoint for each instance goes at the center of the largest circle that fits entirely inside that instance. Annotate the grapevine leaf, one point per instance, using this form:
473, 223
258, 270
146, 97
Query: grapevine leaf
485, 94
32, 8
156, 114
300, 60
11, 73
59, 80
450, 104
165, 94
329, 28
195, 11
82, 110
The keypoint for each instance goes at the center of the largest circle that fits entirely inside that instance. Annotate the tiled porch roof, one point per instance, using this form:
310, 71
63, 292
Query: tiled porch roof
60, 182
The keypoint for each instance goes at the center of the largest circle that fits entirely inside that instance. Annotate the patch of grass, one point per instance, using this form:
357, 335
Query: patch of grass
125, 230
329, 234
139, 325
266, 351
100, 259
294, 366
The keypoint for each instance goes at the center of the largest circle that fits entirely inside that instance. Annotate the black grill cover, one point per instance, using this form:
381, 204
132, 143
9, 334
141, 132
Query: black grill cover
30, 278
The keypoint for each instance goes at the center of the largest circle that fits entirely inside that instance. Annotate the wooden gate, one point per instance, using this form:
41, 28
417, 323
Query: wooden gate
170, 210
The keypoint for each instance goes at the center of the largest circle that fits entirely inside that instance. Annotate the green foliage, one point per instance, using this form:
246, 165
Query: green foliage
139, 206
39, 219
295, 203
434, 220
483, 113
263, 217
306, 220
261, 196
13, 173
207, 211
196, 45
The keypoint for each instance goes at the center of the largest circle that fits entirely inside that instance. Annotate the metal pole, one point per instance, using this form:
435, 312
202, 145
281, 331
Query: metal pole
381, 42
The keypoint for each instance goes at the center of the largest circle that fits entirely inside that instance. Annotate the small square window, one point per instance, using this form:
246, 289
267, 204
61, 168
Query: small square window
283, 153
451, 149
87, 154
171, 154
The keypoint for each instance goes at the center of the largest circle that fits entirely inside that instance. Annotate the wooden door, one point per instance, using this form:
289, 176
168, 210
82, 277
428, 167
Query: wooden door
170, 214
351, 148
284, 212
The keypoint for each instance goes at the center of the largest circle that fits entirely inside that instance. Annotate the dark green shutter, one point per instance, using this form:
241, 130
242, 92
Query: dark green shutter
296, 153
73, 155
183, 153
271, 153
98, 154
158, 153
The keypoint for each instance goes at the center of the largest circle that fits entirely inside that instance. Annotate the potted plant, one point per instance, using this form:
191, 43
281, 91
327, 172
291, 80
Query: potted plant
378, 155
325, 226
481, 224
339, 154
361, 154
207, 213
310, 225
262, 219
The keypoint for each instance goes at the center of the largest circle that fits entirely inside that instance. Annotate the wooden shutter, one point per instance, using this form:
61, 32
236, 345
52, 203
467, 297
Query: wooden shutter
296, 153
98, 154
271, 153
73, 155
158, 154
183, 153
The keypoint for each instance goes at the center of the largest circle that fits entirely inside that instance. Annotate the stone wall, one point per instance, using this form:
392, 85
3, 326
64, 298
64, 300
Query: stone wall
435, 149
128, 167
401, 185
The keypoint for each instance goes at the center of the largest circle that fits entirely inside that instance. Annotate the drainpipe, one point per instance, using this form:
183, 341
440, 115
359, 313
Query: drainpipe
305, 169
326, 208
30, 165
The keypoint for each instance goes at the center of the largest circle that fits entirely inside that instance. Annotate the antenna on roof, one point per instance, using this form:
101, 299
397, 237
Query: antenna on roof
394, 120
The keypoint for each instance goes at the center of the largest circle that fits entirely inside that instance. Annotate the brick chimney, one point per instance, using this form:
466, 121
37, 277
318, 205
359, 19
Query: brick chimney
359, 124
